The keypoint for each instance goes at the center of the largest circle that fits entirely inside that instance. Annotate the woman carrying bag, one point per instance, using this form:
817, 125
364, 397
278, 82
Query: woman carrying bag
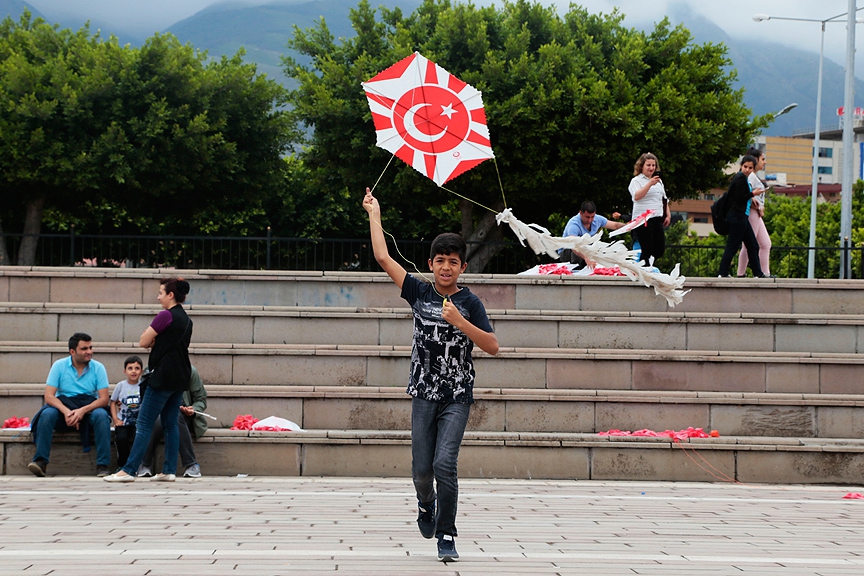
168, 336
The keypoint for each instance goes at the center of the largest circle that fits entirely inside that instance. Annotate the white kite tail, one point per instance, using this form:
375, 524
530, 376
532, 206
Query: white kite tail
670, 286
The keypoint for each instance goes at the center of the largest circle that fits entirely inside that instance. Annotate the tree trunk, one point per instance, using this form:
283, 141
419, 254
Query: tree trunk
30, 236
4, 254
487, 230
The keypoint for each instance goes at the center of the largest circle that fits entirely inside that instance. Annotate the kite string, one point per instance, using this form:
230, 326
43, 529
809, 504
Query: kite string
413, 265
500, 185
382, 175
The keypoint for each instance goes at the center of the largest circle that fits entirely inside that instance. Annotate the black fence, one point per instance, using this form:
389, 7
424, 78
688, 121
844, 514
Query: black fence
275, 253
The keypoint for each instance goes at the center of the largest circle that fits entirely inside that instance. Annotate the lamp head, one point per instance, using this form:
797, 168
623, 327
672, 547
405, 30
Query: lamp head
786, 109
761, 17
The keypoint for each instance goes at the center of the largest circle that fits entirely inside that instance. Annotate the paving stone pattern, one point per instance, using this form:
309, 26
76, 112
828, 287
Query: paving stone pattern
365, 526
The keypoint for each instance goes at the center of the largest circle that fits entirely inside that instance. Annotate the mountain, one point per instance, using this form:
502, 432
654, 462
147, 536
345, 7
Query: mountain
14, 8
263, 31
772, 75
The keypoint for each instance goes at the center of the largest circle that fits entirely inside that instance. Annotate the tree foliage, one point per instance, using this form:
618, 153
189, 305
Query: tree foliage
108, 137
571, 101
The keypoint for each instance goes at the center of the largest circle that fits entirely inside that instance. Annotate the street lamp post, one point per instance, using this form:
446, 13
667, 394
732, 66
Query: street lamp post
814, 188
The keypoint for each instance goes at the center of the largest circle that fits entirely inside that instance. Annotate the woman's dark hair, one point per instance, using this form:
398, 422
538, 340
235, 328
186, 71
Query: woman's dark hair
748, 158
755, 152
448, 243
637, 168
178, 286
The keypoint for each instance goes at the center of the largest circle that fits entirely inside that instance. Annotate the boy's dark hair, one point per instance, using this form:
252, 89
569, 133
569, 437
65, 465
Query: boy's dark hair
589, 207
448, 243
132, 360
748, 158
78, 337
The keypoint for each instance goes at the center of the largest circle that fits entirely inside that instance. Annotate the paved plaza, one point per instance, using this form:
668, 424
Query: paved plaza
365, 526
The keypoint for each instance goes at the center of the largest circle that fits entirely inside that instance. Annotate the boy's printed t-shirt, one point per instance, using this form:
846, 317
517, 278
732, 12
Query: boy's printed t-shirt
129, 396
442, 369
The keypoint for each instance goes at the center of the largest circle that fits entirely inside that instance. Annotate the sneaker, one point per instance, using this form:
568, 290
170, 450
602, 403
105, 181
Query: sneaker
144, 472
767, 276
447, 548
426, 519
724, 276
163, 478
193, 471
38, 467
102, 471
119, 477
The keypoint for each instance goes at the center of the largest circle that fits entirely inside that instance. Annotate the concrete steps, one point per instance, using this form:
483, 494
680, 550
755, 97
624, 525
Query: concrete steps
497, 455
722, 331
774, 365
529, 410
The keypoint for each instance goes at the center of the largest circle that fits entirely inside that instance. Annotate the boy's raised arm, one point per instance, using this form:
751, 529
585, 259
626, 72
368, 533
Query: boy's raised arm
379, 244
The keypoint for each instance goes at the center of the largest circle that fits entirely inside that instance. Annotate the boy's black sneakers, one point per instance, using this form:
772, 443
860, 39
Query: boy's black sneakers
447, 548
38, 467
426, 519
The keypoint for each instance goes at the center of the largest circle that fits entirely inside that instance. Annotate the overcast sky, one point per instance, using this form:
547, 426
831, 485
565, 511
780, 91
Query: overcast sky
733, 16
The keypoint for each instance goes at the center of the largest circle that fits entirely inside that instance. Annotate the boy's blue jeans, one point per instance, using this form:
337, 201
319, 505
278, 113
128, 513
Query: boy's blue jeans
436, 435
52, 419
164, 403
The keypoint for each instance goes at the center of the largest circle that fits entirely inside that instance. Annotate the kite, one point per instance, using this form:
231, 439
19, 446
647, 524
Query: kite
435, 123
428, 118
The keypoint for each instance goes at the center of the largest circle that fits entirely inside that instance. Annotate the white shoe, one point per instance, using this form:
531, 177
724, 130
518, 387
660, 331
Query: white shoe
163, 478
119, 477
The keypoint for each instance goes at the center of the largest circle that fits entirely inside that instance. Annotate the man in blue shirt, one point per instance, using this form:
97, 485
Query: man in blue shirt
586, 222
76, 398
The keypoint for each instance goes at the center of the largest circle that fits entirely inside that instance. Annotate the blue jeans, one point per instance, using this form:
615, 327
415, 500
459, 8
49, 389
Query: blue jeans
164, 403
52, 419
436, 435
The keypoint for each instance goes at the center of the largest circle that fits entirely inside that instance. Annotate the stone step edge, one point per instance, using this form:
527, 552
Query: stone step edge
505, 394
505, 352
515, 439
399, 313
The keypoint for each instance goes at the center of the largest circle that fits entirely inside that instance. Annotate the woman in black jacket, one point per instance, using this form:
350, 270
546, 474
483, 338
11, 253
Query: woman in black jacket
737, 217
168, 336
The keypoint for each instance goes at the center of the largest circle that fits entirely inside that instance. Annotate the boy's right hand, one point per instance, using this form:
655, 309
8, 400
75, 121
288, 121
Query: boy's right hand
370, 203
118, 422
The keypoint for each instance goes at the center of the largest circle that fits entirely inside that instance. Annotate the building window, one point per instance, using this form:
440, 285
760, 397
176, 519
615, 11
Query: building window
700, 220
825, 170
708, 197
826, 153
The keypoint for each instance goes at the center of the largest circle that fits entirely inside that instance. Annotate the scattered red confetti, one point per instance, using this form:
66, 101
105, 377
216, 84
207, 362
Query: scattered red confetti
244, 422
854, 496
679, 435
559, 269
16, 422
613, 271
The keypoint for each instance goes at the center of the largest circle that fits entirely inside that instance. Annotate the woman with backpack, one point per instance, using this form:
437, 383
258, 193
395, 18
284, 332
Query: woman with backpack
756, 223
739, 199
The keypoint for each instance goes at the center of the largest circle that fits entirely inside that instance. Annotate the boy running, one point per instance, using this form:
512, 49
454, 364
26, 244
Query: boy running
448, 321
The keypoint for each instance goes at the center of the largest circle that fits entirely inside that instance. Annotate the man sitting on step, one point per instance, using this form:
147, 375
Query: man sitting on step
76, 398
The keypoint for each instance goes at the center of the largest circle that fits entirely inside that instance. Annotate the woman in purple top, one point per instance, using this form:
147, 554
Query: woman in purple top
168, 337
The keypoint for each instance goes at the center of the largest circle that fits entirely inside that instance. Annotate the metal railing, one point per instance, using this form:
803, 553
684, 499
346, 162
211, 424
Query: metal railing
322, 254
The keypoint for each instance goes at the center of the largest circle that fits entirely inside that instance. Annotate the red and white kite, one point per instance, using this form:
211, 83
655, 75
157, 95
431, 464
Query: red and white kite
430, 119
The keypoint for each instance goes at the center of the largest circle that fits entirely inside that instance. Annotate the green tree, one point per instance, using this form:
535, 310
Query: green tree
153, 139
571, 101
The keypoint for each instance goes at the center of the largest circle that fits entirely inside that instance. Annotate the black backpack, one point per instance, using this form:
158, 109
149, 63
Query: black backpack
719, 209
